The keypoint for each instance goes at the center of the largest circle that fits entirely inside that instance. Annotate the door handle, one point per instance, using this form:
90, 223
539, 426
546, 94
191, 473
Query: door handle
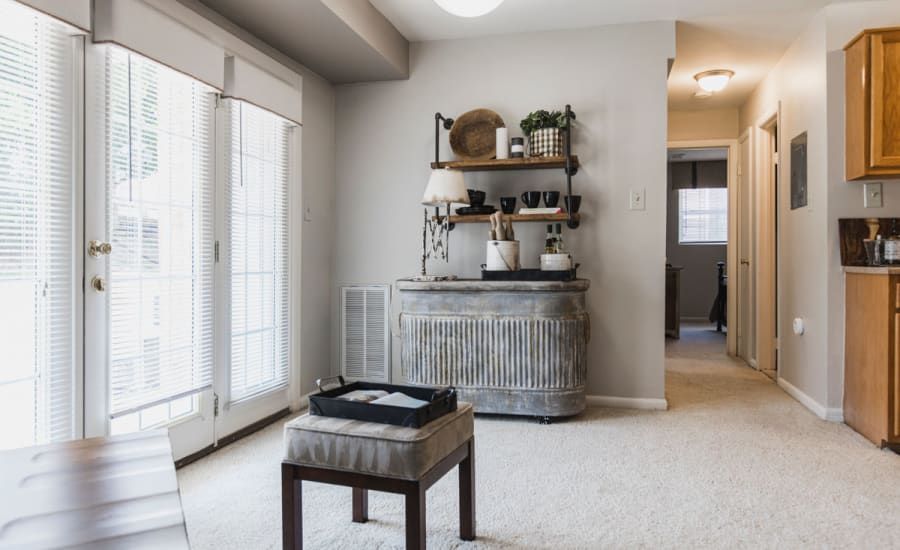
745, 262
99, 248
98, 284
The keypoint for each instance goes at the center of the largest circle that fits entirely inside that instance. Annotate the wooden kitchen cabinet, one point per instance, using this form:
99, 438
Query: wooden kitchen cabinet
872, 82
872, 354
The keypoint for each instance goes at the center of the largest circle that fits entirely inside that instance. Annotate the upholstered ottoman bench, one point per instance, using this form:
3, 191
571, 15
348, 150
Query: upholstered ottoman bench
379, 457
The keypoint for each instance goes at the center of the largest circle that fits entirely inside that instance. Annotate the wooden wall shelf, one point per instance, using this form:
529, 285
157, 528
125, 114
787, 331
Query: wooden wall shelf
561, 217
527, 163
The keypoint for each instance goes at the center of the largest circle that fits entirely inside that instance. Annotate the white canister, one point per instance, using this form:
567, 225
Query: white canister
502, 256
502, 143
556, 262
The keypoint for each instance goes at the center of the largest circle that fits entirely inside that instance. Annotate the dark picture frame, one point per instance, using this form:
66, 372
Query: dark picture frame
799, 172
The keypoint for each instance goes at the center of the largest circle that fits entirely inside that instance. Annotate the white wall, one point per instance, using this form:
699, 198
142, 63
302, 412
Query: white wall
707, 124
797, 84
844, 21
809, 84
385, 141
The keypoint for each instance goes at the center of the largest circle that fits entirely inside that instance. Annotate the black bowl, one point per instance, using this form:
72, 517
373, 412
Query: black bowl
476, 198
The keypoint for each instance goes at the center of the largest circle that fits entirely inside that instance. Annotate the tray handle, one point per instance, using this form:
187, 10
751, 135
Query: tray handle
328, 380
441, 393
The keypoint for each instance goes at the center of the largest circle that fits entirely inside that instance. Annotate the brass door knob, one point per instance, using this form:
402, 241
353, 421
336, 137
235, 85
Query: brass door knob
98, 284
99, 248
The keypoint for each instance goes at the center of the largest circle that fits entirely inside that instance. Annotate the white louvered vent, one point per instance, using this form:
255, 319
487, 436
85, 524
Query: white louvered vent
365, 343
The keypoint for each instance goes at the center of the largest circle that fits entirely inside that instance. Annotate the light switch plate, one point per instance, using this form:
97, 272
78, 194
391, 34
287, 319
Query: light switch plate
636, 199
872, 195
307, 214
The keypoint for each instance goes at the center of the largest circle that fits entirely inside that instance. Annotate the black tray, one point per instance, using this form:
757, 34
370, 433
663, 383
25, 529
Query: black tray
440, 402
529, 275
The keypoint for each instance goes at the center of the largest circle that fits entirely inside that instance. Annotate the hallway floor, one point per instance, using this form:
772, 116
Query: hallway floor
734, 463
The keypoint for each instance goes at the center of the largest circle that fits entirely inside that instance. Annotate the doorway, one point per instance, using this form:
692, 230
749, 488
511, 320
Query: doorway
699, 230
766, 179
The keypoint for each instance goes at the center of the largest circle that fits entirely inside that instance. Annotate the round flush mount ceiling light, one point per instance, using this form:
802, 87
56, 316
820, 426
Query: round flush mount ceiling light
714, 81
468, 8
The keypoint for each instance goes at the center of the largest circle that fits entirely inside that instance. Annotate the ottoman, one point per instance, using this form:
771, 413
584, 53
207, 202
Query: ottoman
379, 457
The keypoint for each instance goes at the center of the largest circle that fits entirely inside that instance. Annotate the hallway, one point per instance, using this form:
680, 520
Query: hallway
734, 462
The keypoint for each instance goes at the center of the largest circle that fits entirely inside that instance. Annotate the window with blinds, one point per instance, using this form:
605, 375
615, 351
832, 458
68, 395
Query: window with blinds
160, 205
37, 268
256, 232
703, 215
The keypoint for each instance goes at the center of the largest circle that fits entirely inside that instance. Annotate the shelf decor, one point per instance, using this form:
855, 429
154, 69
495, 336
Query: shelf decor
566, 160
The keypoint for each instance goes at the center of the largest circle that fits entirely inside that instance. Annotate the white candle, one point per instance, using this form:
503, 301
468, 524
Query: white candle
502, 143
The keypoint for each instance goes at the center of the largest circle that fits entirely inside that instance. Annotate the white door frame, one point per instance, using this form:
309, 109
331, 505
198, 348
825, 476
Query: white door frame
767, 273
731, 246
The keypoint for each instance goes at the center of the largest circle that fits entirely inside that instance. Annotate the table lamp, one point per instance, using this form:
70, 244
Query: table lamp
445, 187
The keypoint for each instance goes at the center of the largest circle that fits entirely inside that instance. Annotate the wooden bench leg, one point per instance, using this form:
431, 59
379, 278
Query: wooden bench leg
291, 509
415, 518
360, 505
467, 494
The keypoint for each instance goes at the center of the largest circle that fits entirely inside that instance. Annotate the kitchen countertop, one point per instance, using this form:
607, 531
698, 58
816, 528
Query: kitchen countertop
873, 270
475, 285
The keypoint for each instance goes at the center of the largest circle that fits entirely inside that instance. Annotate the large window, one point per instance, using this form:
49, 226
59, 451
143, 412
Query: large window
37, 243
159, 215
256, 232
703, 215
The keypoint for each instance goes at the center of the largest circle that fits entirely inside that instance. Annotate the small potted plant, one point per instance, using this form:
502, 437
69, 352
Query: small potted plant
544, 131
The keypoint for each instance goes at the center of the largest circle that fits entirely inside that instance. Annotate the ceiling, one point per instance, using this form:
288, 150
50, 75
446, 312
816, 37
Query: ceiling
748, 37
324, 35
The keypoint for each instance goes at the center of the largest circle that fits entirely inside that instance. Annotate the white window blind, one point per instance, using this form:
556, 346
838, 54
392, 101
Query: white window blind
256, 232
37, 270
703, 215
160, 201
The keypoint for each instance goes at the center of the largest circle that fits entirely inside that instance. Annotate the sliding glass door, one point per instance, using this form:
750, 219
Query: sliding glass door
149, 267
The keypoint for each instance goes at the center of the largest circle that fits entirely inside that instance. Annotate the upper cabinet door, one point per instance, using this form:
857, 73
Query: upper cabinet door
872, 83
885, 122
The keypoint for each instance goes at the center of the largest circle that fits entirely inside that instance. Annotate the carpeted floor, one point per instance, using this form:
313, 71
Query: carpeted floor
735, 462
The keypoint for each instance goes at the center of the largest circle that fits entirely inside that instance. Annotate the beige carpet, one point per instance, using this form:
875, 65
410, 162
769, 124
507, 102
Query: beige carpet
735, 462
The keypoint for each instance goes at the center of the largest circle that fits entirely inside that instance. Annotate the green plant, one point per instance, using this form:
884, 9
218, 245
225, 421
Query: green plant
542, 119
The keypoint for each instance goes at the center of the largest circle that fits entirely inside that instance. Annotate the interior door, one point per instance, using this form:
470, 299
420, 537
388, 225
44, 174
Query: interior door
149, 258
746, 333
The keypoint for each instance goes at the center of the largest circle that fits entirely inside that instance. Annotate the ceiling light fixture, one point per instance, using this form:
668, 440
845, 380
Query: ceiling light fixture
468, 8
714, 81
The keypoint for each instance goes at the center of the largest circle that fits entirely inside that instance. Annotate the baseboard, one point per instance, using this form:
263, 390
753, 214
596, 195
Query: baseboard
825, 413
643, 403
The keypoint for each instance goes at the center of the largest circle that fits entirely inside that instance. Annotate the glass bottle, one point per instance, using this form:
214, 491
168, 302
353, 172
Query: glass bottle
560, 245
892, 246
550, 242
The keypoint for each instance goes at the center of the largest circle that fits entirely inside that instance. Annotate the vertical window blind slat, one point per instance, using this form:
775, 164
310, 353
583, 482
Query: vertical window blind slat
257, 161
37, 269
160, 201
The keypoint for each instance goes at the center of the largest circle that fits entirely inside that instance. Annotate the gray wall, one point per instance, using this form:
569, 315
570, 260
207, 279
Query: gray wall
385, 142
699, 277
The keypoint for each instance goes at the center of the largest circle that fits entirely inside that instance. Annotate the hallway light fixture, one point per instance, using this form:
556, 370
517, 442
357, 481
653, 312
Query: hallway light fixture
468, 8
715, 80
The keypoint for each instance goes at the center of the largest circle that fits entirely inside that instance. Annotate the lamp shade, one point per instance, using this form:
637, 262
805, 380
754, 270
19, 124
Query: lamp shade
445, 186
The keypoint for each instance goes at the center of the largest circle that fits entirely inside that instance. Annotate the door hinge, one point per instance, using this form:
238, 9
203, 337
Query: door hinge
776, 158
215, 404
217, 251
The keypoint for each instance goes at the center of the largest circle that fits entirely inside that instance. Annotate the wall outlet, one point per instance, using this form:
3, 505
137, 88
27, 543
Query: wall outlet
872, 195
636, 199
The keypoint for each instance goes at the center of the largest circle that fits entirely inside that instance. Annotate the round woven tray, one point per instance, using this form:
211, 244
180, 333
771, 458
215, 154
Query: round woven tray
473, 134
